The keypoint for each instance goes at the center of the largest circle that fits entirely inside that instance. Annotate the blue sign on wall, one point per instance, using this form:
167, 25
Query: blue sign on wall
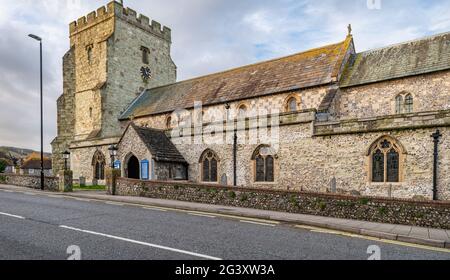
144, 169
117, 164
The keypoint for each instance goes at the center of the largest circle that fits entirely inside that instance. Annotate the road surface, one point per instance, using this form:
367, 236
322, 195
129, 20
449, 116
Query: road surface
51, 227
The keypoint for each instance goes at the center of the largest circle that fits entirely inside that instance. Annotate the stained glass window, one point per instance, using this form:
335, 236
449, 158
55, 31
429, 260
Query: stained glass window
264, 164
260, 169
385, 161
209, 163
378, 167
213, 170
392, 166
269, 169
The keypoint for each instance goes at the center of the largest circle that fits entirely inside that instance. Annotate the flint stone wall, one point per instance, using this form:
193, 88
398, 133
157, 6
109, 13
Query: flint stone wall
29, 181
394, 211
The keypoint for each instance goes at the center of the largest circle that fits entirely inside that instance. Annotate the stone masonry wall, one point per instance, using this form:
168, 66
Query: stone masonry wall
124, 61
130, 145
406, 212
305, 162
29, 181
66, 113
307, 99
81, 162
430, 92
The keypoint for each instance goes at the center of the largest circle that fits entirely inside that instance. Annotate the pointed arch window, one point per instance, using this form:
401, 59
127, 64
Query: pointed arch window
98, 164
209, 165
264, 164
385, 161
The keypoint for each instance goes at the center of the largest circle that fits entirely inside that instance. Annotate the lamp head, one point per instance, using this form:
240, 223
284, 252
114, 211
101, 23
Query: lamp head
66, 155
35, 37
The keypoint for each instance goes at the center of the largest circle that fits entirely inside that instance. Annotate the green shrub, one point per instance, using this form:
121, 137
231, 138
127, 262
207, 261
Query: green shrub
364, 201
244, 197
2, 179
382, 210
3, 165
322, 205
293, 200
231, 194
89, 188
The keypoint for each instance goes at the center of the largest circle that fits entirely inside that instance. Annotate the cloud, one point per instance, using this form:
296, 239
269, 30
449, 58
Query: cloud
208, 36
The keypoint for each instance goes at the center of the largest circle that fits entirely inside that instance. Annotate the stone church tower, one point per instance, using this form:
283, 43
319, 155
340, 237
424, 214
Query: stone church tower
114, 55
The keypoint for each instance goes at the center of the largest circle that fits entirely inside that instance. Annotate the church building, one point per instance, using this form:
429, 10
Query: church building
327, 120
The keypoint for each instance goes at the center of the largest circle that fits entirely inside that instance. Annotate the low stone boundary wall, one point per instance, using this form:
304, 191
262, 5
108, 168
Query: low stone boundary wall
29, 181
434, 214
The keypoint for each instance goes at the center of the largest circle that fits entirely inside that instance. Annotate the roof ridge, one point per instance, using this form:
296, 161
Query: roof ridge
249, 65
406, 42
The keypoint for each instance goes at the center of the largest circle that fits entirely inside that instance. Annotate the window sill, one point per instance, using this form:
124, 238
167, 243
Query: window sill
385, 184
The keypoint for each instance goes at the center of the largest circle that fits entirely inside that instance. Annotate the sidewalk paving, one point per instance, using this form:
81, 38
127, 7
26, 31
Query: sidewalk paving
412, 234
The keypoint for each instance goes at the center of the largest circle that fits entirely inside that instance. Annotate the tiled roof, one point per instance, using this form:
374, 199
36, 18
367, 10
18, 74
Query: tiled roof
307, 69
421, 56
160, 146
35, 163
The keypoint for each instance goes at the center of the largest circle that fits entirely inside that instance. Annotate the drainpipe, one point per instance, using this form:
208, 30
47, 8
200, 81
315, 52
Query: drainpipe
436, 136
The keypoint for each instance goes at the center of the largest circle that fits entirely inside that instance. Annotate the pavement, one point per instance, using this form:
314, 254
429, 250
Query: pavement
43, 225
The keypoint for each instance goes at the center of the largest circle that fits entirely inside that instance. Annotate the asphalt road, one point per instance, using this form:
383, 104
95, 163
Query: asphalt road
42, 227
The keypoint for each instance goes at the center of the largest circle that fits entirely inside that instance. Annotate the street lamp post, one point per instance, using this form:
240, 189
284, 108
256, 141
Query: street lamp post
436, 137
227, 107
66, 156
113, 153
37, 38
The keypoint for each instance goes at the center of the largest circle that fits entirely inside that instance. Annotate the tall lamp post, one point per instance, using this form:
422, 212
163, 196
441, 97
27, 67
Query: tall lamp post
227, 107
436, 137
37, 38
113, 153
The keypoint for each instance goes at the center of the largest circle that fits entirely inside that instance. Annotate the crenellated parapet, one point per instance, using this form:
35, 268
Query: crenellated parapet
115, 9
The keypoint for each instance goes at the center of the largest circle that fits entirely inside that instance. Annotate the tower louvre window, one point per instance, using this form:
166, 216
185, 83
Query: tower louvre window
145, 55
89, 52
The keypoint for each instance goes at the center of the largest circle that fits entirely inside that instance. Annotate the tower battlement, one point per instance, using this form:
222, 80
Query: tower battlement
115, 9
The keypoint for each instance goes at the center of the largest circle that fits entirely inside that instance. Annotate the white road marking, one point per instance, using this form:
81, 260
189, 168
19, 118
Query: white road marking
54, 196
80, 199
114, 203
8, 191
12, 216
155, 209
256, 223
142, 243
202, 215
352, 235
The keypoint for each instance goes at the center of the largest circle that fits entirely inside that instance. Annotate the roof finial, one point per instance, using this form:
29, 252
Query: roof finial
349, 27
121, 2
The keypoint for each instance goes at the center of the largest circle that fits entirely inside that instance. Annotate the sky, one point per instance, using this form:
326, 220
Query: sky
208, 36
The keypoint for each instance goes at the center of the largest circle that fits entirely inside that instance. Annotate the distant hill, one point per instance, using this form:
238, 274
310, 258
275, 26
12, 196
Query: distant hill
18, 153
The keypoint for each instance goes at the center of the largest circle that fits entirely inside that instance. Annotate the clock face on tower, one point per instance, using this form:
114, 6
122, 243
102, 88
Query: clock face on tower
146, 73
